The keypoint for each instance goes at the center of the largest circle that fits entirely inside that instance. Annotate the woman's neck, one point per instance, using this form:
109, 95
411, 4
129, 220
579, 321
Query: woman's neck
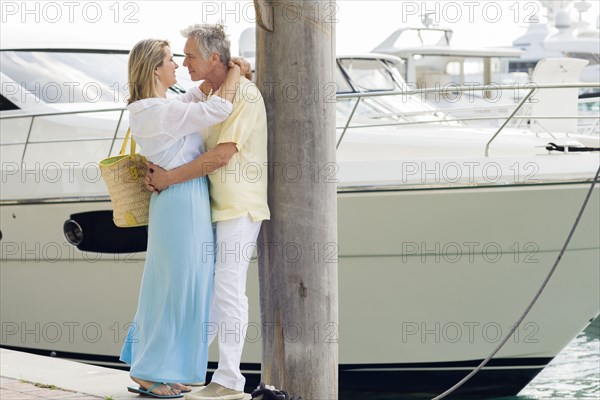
160, 90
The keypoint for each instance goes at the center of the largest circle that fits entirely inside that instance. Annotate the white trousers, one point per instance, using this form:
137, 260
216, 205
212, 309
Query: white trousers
236, 241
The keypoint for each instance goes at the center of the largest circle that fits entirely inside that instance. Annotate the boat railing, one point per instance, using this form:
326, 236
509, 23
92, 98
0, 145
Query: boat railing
446, 115
112, 137
113, 128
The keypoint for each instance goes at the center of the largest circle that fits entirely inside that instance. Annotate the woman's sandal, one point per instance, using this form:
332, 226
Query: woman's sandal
148, 392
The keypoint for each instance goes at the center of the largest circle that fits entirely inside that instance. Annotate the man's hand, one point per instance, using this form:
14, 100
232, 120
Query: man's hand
244, 66
157, 179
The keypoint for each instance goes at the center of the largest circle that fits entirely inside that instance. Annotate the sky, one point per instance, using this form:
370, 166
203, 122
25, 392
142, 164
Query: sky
360, 24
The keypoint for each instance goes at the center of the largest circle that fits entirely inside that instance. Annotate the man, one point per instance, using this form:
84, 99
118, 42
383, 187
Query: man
237, 153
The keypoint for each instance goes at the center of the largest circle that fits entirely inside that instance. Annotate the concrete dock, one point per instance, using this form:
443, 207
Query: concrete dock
26, 376
74, 381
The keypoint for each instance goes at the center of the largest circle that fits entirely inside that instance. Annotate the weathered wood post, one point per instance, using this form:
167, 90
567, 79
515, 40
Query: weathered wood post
298, 260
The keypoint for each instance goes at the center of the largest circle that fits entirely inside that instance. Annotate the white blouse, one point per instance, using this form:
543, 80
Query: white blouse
168, 130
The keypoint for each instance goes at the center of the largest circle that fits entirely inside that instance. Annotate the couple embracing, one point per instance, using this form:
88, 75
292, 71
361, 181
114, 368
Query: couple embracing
195, 276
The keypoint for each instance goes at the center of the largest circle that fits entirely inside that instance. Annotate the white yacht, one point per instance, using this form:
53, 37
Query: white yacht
431, 60
446, 231
561, 36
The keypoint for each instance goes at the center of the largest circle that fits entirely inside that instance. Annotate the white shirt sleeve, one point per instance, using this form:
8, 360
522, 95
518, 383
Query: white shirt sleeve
193, 95
181, 119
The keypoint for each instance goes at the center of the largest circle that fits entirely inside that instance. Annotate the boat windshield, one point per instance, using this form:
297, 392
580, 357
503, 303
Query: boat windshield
369, 75
372, 75
72, 76
65, 78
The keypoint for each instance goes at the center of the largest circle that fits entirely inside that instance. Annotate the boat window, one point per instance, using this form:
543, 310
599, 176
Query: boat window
590, 104
381, 75
521, 66
73, 76
6, 105
369, 74
68, 77
593, 58
340, 80
472, 68
386, 109
366, 113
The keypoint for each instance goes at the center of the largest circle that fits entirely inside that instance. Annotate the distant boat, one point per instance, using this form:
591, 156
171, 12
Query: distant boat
431, 60
561, 36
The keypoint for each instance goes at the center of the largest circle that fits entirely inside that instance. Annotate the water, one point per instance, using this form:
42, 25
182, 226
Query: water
573, 374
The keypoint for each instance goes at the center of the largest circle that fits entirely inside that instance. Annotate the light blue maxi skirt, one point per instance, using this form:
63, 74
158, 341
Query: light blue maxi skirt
167, 339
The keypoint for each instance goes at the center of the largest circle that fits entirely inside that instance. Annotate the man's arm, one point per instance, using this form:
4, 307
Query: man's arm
158, 179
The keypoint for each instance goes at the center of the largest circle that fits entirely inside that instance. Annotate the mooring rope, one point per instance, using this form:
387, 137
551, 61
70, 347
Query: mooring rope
533, 301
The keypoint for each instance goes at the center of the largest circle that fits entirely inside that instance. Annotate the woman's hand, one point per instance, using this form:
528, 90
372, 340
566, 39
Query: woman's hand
232, 81
157, 179
206, 87
244, 66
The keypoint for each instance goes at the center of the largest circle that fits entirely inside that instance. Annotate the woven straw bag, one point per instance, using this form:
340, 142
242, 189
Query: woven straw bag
124, 176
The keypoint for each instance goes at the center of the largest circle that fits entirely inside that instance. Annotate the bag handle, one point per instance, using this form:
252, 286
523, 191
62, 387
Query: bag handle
127, 136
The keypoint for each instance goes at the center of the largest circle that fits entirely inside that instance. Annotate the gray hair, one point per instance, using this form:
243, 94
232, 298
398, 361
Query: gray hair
210, 39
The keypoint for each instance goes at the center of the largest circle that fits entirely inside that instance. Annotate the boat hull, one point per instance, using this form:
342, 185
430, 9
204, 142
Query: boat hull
430, 281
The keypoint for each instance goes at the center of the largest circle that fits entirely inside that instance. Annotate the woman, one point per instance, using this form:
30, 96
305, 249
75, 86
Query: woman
165, 342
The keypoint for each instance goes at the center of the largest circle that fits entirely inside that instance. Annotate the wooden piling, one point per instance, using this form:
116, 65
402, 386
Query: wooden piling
298, 262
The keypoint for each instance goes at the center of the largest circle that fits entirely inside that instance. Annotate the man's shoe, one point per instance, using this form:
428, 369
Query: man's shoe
214, 391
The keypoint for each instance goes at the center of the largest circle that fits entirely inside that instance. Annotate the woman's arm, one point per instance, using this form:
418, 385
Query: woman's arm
200, 93
232, 80
244, 65
194, 95
158, 179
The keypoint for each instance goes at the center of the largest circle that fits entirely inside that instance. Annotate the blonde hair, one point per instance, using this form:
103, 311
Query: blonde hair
144, 58
210, 39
